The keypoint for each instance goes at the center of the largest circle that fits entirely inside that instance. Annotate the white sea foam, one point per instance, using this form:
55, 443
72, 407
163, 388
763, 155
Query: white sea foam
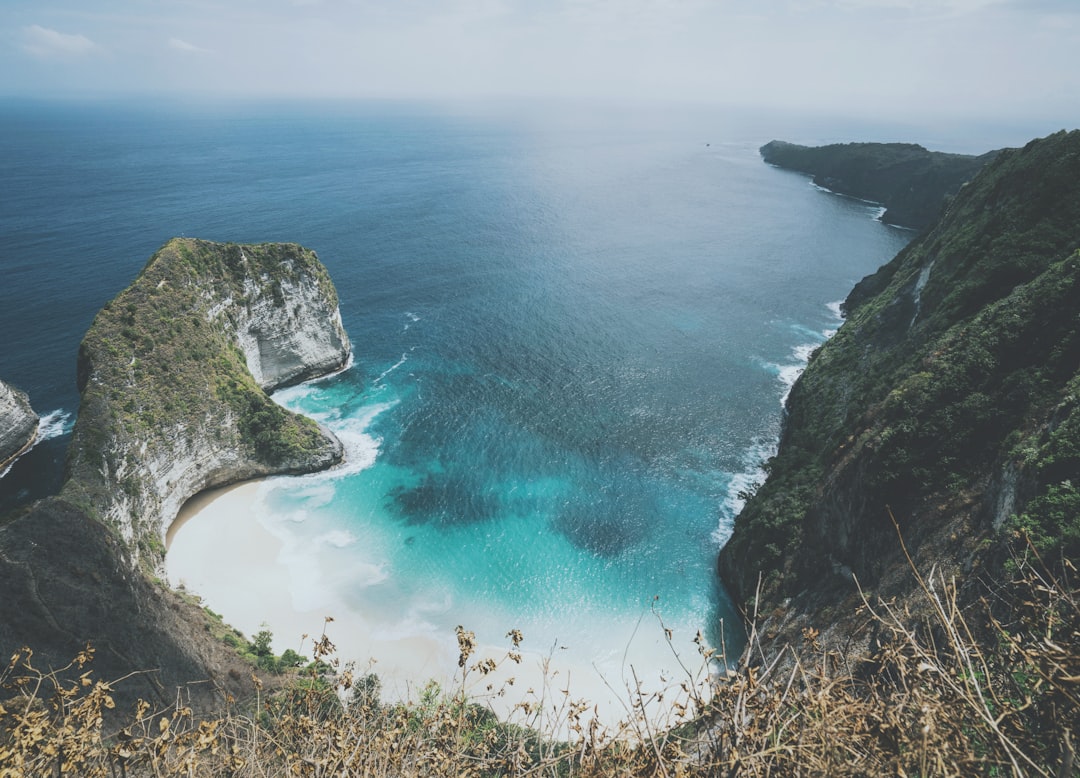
291, 396
365, 574
55, 424
789, 373
52, 425
392, 368
748, 480
876, 205
742, 484
361, 448
835, 308
337, 539
315, 493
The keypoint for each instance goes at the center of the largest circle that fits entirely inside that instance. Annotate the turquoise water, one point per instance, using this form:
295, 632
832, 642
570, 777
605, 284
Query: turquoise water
572, 338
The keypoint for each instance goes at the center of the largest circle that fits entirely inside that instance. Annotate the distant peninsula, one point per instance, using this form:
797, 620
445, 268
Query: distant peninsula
174, 374
910, 182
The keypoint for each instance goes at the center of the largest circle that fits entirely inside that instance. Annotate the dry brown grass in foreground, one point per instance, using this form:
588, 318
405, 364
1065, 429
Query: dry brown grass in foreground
990, 691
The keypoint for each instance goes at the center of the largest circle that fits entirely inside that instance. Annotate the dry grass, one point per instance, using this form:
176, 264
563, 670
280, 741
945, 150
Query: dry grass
993, 689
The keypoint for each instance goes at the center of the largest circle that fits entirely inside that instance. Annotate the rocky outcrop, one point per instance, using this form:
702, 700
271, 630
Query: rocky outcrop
173, 374
912, 183
18, 424
945, 411
67, 583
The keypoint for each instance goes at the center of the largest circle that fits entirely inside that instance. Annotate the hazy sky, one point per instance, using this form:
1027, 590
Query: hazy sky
994, 58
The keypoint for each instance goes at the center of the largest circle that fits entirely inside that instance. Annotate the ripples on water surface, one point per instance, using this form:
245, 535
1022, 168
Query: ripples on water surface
572, 340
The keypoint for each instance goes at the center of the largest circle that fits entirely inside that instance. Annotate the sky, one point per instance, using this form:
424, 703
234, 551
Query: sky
993, 58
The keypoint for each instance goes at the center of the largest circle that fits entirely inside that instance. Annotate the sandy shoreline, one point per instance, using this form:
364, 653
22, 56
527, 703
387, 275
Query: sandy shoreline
229, 554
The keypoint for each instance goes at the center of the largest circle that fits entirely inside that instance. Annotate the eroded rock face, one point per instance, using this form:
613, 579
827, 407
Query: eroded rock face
291, 342
18, 424
67, 582
173, 373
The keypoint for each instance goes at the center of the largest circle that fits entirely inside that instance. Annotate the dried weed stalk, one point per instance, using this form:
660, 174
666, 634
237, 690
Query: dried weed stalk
992, 691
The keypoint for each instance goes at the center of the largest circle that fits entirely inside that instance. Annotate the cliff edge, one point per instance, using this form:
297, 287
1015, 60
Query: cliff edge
912, 183
949, 401
18, 424
174, 372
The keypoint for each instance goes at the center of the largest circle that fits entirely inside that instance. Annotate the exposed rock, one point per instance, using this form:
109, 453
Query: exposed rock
173, 373
171, 405
67, 582
912, 183
18, 424
949, 400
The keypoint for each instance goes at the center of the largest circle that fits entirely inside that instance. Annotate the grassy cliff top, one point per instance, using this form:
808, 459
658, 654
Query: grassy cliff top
161, 365
948, 396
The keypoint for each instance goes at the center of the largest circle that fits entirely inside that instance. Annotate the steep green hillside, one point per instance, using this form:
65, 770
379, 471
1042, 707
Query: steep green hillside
912, 183
950, 396
173, 374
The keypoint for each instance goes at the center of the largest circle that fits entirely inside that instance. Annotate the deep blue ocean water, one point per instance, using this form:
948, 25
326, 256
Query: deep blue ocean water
572, 335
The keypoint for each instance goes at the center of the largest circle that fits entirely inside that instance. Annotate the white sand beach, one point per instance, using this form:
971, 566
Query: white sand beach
223, 547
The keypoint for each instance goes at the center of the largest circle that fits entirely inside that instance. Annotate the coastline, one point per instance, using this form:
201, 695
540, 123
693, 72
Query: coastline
7, 463
199, 502
230, 554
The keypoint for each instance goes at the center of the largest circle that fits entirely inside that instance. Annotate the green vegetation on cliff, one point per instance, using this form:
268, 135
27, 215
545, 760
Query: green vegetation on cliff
169, 403
911, 182
170, 406
950, 395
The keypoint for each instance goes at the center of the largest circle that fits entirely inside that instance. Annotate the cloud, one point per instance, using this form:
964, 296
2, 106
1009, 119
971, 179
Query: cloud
46, 43
178, 44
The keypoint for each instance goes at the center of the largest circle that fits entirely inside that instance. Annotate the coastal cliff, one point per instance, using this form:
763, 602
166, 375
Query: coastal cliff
174, 372
948, 401
18, 424
912, 183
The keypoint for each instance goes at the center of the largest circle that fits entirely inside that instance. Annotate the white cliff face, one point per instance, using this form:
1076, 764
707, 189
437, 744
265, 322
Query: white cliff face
18, 424
174, 372
290, 338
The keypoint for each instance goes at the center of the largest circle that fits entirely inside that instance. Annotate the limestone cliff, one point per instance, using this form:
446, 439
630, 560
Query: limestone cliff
173, 372
18, 424
950, 398
912, 183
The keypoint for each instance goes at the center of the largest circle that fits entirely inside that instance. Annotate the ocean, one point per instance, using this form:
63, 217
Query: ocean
573, 336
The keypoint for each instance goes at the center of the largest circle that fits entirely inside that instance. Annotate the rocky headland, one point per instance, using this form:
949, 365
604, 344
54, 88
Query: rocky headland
948, 401
937, 431
174, 374
18, 424
912, 183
